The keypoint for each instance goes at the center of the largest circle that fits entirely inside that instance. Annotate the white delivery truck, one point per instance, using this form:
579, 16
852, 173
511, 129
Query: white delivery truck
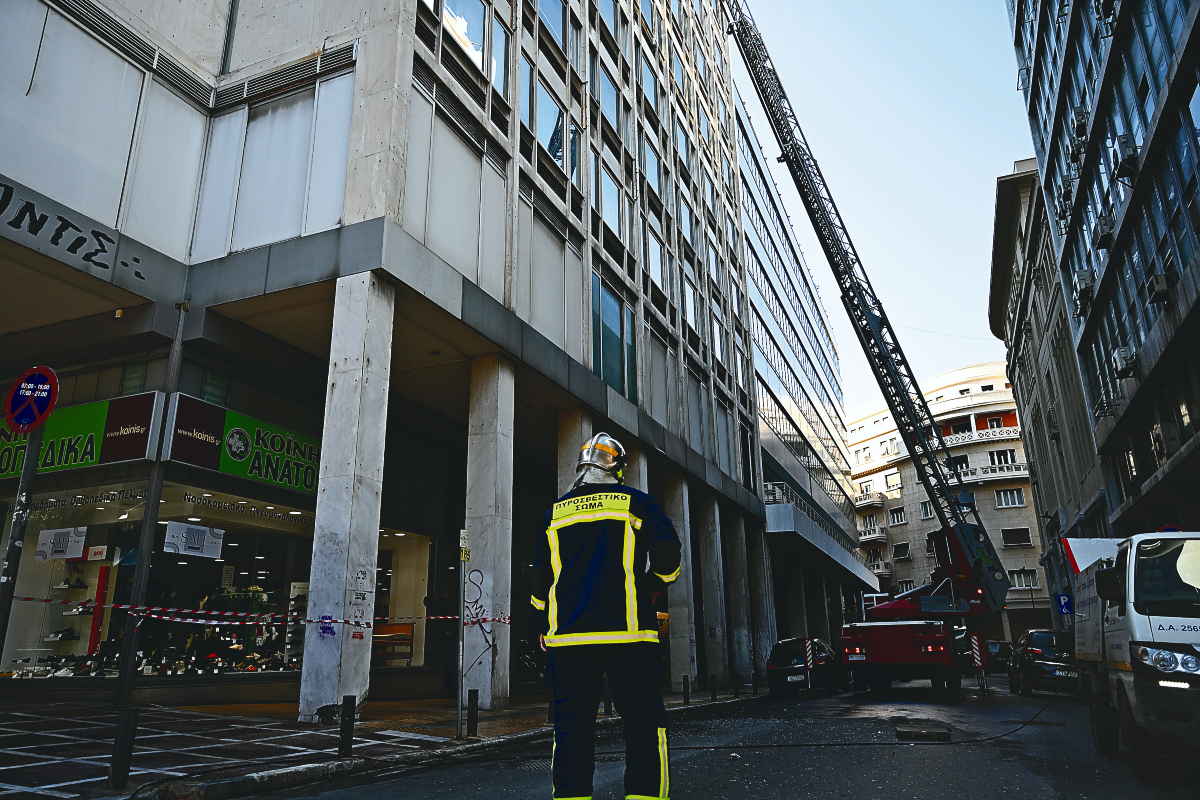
1137, 642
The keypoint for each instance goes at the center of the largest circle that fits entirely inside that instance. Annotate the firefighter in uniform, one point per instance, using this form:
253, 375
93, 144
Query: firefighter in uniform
590, 576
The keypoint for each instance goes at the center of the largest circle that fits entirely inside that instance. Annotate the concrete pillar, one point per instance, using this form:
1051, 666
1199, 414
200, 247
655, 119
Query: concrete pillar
738, 576
574, 428
1008, 636
637, 466
681, 604
827, 626
712, 574
489, 527
797, 604
763, 632
337, 657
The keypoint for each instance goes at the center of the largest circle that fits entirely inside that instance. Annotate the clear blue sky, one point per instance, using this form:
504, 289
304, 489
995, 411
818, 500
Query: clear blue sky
911, 109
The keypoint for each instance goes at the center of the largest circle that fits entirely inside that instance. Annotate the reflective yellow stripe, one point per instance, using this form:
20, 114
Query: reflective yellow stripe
664, 784
556, 566
598, 446
610, 637
631, 620
672, 576
594, 516
540, 605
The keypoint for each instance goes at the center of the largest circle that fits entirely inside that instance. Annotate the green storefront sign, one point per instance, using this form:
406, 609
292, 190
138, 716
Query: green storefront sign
88, 435
211, 437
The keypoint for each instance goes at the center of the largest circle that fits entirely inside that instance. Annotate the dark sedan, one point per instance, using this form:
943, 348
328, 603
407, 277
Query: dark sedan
999, 655
1043, 659
787, 674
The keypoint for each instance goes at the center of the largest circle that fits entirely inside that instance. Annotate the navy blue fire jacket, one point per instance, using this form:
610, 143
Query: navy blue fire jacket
606, 549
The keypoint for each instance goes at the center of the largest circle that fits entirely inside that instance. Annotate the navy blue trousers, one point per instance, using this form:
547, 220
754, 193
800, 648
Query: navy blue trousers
576, 675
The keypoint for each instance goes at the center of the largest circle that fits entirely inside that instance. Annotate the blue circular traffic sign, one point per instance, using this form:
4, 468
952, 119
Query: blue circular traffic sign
31, 399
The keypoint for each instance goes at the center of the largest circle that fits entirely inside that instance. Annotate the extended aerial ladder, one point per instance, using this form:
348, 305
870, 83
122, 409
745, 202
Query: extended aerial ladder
969, 570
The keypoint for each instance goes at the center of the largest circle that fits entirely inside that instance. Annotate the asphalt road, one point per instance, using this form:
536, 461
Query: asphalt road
848, 749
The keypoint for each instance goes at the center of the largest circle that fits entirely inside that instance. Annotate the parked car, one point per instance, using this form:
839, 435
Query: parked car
787, 673
999, 655
1043, 659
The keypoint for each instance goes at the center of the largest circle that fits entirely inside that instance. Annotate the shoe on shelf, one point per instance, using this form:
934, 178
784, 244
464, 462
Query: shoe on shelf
64, 585
66, 672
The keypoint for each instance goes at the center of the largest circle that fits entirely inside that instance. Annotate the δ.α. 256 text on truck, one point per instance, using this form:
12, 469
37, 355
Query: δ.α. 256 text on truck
1137, 641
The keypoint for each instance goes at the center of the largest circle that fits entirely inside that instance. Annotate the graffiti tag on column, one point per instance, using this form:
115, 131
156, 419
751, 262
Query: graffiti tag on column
474, 609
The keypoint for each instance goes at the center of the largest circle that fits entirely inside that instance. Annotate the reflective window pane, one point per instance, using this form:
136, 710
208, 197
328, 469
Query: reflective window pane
610, 201
609, 104
551, 11
464, 23
500, 58
610, 335
550, 124
526, 92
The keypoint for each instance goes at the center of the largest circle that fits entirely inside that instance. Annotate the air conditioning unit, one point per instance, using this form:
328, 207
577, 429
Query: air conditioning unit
1083, 282
1079, 122
1102, 234
1124, 362
1159, 287
1125, 156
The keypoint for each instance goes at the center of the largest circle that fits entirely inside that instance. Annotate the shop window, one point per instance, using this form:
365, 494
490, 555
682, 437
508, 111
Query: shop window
216, 388
1016, 537
133, 381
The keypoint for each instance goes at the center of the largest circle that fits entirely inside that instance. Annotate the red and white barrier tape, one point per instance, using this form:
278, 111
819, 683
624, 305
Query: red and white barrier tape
248, 617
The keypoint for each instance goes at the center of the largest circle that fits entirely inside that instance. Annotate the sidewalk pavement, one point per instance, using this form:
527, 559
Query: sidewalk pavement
60, 750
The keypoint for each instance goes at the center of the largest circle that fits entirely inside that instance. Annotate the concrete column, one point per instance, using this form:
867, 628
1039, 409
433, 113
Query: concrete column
712, 574
1008, 635
489, 527
574, 428
797, 604
739, 599
681, 604
763, 632
827, 623
637, 467
337, 658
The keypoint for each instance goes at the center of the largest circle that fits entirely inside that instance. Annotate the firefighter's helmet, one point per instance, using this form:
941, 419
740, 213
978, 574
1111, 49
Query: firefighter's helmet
602, 452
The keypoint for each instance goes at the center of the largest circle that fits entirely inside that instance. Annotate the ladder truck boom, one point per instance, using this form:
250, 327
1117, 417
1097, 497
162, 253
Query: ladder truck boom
967, 561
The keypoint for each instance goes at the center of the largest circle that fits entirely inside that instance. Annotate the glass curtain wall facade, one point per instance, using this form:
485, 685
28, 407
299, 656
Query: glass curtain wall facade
1111, 95
797, 377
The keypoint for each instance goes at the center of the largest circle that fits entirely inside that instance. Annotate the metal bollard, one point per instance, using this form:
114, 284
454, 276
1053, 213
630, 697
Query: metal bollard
687, 690
118, 768
608, 704
346, 730
472, 712
712, 688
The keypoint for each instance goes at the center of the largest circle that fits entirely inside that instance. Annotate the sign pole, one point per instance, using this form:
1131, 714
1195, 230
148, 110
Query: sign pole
16, 536
27, 406
145, 548
464, 556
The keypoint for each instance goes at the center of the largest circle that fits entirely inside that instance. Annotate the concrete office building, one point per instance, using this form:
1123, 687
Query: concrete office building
819, 576
416, 252
975, 410
1029, 311
1111, 95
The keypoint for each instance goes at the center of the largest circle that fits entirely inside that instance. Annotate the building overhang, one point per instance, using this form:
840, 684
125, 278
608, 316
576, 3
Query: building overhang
794, 527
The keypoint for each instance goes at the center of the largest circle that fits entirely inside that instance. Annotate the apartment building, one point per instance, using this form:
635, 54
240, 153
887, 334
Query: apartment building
1029, 311
819, 575
976, 412
1111, 95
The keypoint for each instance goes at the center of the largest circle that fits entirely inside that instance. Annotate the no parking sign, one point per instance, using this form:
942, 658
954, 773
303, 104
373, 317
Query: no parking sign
31, 399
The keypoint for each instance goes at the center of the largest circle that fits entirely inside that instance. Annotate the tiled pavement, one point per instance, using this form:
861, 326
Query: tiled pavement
50, 750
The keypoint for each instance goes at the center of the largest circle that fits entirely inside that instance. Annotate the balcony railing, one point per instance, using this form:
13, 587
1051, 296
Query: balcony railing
783, 494
872, 536
985, 435
1002, 470
870, 500
881, 569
